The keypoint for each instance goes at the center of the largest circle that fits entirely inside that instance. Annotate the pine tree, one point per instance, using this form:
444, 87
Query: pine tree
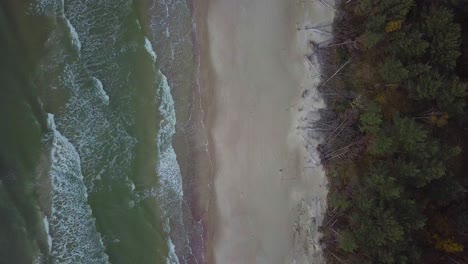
452, 96
347, 242
375, 31
408, 45
395, 9
371, 118
443, 35
426, 86
382, 145
411, 137
392, 71
383, 186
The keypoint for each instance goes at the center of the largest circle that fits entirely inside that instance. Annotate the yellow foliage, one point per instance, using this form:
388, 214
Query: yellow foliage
448, 245
382, 99
433, 119
441, 122
393, 26
438, 119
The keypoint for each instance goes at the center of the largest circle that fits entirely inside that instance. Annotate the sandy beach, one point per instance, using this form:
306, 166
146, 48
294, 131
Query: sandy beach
270, 194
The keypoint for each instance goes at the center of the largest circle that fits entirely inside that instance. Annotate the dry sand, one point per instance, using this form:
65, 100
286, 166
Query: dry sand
269, 192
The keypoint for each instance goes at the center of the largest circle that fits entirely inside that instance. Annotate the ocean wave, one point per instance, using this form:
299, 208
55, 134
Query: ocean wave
171, 193
76, 43
171, 256
171, 28
102, 93
95, 140
45, 221
46, 7
168, 168
149, 49
74, 235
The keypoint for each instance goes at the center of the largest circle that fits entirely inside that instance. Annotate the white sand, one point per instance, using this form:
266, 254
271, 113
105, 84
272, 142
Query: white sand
268, 203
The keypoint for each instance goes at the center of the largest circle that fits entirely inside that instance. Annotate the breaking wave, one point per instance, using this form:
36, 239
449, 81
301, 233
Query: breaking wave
76, 239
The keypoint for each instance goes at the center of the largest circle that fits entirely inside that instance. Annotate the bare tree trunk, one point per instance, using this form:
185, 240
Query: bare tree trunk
316, 27
336, 232
337, 71
319, 31
454, 260
337, 258
312, 65
326, 4
339, 44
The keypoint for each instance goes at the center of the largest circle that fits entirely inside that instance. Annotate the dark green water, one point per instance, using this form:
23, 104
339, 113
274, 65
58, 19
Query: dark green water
88, 172
21, 126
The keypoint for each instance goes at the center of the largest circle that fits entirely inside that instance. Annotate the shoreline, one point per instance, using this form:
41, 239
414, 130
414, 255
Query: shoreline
199, 12
295, 193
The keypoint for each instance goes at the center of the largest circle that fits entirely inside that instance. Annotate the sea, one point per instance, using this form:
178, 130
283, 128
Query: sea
99, 101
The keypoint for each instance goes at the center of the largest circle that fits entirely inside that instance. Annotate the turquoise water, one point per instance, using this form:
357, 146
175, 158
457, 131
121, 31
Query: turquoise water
105, 184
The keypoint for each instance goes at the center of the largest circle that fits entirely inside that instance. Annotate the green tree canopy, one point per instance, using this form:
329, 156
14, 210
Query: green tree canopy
375, 30
408, 45
443, 35
392, 71
426, 86
347, 242
382, 145
410, 136
371, 118
452, 96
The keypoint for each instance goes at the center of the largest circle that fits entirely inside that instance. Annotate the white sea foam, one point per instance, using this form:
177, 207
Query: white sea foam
170, 24
39, 258
74, 35
171, 257
150, 49
102, 93
45, 7
171, 193
138, 24
46, 228
75, 238
168, 167
130, 184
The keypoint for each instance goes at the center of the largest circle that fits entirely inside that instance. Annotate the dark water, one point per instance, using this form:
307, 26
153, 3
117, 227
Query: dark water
89, 173
21, 127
